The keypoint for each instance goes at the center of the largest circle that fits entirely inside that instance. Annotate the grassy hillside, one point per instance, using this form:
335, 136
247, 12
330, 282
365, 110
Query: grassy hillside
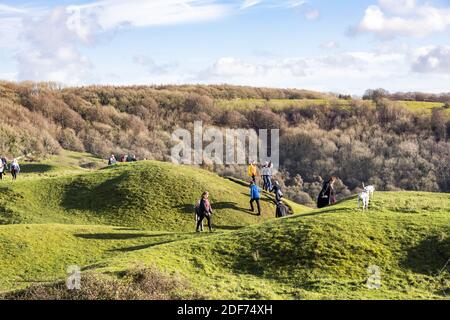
114, 220
150, 195
31, 254
323, 254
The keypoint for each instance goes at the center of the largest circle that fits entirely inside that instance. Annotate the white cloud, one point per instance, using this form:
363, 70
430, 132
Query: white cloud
47, 41
348, 72
111, 14
392, 18
48, 51
250, 3
330, 45
296, 3
229, 68
152, 67
312, 14
435, 59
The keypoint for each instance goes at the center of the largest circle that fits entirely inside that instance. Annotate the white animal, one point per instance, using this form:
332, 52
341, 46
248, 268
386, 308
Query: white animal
370, 189
364, 198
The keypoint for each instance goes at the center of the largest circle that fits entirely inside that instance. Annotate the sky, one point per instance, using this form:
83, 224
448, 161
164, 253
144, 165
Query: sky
342, 46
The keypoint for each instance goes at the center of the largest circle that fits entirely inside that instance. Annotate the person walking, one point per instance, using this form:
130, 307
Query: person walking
2, 170
276, 189
112, 160
264, 175
269, 175
15, 169
255, 197
327, 195
204, 211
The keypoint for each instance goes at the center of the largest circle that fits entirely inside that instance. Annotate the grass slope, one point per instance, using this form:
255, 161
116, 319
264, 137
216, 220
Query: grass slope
31, 254
125, 217
149, 195
320, 255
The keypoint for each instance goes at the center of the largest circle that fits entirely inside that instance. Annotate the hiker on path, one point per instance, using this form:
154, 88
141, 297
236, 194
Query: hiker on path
252, 171
276, 189
5, 162
282, 210
268, 176
15, 169
264, 175
2, 170
255, 196
203, 211
112, 160
327, 195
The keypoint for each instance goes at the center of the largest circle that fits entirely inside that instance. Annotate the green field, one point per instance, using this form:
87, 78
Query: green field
114, 220
280, 104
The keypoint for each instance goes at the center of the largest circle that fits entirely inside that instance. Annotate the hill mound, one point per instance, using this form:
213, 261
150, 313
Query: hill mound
330, 253
149, 195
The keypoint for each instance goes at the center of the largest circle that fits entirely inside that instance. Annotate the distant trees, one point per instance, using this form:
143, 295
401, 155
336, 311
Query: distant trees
376, 94
439, 123
380, 143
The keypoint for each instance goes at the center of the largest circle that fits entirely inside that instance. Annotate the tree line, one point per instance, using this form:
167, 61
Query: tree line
379, 142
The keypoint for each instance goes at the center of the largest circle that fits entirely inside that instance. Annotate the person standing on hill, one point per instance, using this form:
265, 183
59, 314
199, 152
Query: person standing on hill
204, 211
264, 175
15, 169
276, 189
327, 195
112, 160
5, 162
252, 171
255, 197
2, 170
269, 176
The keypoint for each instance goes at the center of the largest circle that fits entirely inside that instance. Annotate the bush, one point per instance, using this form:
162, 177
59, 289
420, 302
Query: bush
137, 284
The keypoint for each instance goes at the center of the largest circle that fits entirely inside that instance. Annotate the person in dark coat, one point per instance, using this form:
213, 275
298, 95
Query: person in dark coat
15, 169
204, 211
281, 210
276, 189
327, 195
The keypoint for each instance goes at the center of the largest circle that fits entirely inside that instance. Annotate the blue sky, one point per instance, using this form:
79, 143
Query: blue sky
328, 45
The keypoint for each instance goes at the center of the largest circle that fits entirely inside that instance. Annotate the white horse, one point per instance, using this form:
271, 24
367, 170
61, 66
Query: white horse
364, 198
370, 189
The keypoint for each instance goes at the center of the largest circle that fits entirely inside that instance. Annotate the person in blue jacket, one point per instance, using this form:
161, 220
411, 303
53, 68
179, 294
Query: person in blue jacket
254, 196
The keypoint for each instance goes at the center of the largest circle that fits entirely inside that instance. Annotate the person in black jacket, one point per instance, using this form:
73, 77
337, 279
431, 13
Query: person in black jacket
327, 195
204, 211
276, 189
281, 210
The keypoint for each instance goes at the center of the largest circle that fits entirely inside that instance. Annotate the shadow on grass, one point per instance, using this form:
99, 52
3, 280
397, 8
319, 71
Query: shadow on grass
142, 247
86, 194
189, 208
119, 236
429, 256
35, 168
228, 227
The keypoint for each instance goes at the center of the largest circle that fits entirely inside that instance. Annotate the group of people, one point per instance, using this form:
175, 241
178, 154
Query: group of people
124, 158
266, 175
13, 167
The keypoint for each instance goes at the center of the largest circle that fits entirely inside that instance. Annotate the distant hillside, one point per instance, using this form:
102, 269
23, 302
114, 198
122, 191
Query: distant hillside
395, 145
